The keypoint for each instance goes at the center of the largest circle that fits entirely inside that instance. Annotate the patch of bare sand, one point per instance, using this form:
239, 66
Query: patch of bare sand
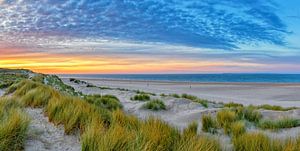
45, 136
1, 92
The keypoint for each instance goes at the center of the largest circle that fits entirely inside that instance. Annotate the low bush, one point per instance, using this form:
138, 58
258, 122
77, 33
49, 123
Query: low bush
155, 105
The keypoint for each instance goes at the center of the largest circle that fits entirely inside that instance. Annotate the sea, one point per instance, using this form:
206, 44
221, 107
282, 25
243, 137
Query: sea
224, 78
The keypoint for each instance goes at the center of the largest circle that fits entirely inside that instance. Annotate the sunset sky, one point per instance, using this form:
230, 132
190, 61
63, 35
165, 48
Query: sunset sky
150, 36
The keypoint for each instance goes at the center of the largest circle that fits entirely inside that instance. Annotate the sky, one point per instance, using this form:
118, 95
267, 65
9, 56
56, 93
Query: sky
150, 36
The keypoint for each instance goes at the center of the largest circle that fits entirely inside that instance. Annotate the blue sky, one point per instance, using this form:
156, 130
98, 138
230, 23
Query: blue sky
264, 34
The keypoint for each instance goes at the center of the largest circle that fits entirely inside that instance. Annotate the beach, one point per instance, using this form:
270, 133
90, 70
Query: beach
282, 94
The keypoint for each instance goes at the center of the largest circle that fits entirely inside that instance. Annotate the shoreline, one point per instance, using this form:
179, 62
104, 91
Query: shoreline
286, 95
186, 82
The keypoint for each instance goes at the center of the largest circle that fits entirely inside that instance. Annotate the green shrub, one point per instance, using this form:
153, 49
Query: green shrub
209, 124
141, 97
155, 105
278, 124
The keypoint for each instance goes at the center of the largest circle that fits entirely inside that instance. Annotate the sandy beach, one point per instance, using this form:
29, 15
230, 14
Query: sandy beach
282, 94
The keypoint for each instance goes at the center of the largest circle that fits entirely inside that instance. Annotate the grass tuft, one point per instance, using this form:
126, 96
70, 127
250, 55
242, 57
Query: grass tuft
238, 128
141, 97
225, 118
106, 101
209, 124
155, 105
13, 125
278, 124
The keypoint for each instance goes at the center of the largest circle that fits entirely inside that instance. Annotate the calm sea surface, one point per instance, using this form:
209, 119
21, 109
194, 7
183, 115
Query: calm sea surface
264, 78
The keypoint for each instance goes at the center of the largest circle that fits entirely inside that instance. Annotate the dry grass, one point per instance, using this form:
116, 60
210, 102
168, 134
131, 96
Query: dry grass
257, 141
238, 128
225, 118
104, 129
13, 125
209, 124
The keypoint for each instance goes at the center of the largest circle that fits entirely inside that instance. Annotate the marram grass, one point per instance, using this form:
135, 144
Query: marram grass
104, 129
13, 125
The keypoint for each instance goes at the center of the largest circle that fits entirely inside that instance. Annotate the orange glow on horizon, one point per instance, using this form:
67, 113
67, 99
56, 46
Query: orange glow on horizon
85, 64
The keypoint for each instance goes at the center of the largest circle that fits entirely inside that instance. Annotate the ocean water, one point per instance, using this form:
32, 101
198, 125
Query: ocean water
259, 78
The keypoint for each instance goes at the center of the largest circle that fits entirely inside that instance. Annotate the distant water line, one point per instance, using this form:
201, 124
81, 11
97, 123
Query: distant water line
259, 78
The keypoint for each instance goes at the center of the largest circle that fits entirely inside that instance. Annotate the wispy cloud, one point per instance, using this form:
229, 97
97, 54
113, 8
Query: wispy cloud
206, 24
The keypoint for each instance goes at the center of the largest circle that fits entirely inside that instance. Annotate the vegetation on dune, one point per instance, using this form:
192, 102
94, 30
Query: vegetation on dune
75, 81
278, 124
55, 82
265, 107
105, 101
209, 124
195, 99
7, 79
13, 125
248, 113
257, 141
232, 104
141, 97
252, 142
155, 105
104, 129
274, 107
225, 118
238, 128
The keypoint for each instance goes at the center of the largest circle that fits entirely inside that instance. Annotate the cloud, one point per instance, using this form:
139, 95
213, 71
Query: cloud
204, 24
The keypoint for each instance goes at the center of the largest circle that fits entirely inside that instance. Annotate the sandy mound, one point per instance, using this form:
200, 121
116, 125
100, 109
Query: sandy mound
44, 136
180, 112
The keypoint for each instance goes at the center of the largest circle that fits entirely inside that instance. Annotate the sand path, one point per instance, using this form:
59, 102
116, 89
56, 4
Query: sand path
1, 92
44, 136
